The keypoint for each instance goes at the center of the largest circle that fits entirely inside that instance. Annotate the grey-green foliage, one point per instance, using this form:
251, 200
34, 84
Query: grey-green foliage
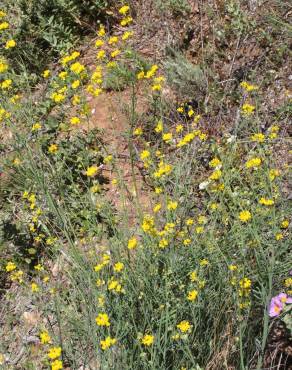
240, 23
185, 77
44, 29
175, 6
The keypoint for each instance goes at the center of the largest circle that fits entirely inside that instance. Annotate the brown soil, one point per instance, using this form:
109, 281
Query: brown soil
109, 113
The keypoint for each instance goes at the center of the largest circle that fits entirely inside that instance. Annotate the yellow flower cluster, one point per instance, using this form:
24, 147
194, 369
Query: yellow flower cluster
107, 343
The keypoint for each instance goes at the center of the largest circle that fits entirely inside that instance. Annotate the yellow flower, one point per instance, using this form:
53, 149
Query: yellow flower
158, 190
273, 135
46, 73
126, 35
285, 224
77, 68
99, 43
101, 301
36, 126
202, 220
245, 283
204, 262
54, 352
199, 229
188, 138
248, 87
196, 119
46, 279
32, 198
244, 216
140, 75
101, 31
156, 87
102, 319
279, 236
215, 175
91, 171
115, 53
187, 242
288, 282
17, 276
157, 208
203, 136
99, 267
163, 169
247, 109
167, 137
34, 287
100, 54
3, 66
191, 113
266, 202
57, 365
147, 340
152, 71
189, 221
145, 154
111, 64
57, 97
179, 128
124, 9
100, 282
253, 162
10, 266
39, 267
148, 224
193, 276
14, 99
113, 40
6, 84
4, 26
107, 343
171, 205
192, 295
2, 15
45, 337
184, 326
124, 22
159, 79
260, 138
63, 75
108, 159
215, 162
75, 120
273, 173
118, 267
132, 243
138, 131
232, 267
76, 100
114, 285
53, 148
75, 84
163, 243
159, 127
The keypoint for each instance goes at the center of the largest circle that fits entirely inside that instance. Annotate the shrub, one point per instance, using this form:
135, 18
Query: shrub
184, 77
46, 29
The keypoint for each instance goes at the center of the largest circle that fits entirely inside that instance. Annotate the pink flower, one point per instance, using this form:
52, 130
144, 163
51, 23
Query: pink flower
277, 304
284, 298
